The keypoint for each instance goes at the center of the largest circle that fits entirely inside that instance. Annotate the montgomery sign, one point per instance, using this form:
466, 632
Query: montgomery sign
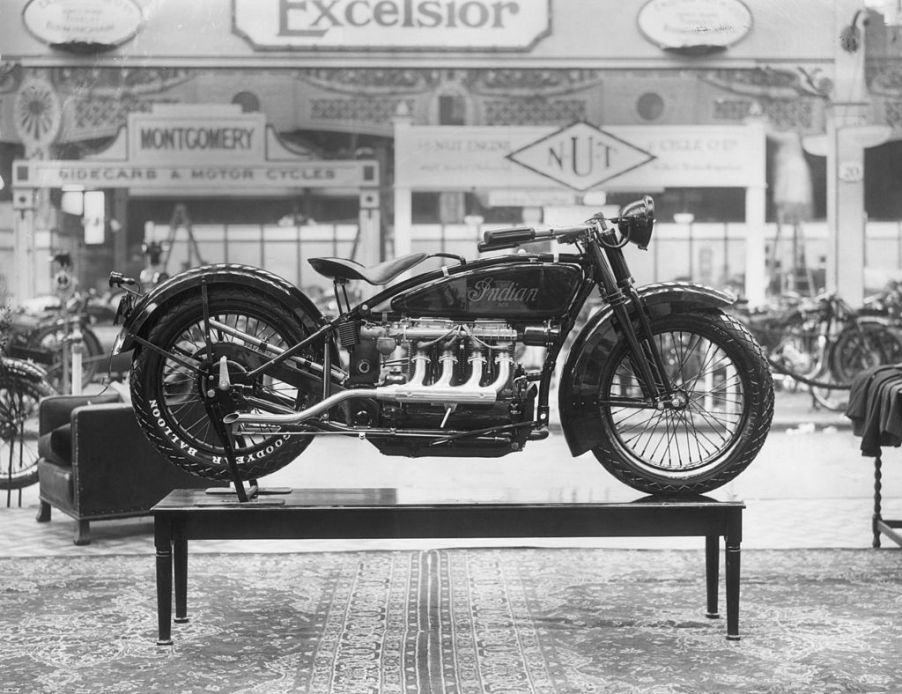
197, 138
392, 24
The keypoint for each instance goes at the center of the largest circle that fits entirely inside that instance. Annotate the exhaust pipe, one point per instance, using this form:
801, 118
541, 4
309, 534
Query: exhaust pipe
439, 393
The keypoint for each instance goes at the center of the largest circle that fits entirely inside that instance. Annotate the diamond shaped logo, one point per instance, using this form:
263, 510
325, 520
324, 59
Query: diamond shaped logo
581, 156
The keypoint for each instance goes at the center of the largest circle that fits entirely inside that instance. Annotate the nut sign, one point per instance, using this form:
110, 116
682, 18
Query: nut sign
392, 24
581, 156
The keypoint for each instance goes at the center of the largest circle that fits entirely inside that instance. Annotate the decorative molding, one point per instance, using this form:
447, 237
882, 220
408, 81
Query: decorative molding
770, 83
532, 83
371, 80
507, 82
115, 82
92, 117
893, 113
37, 112
800, 114
884, 76
10, 76
360, 110
534, 112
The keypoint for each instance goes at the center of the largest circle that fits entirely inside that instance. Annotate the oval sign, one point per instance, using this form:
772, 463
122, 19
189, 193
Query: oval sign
692, 25
97, 23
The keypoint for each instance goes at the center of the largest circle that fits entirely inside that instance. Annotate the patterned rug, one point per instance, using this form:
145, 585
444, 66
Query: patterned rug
455, 621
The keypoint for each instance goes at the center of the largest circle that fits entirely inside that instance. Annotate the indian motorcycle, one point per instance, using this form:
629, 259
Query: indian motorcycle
235, 370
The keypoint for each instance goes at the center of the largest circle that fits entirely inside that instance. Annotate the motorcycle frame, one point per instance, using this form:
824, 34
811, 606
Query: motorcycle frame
604, 268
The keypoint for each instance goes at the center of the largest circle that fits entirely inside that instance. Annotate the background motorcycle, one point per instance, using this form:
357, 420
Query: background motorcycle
45, 336
22, 385
235, 370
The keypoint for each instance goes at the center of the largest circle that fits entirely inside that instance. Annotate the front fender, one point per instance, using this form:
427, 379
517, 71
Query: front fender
272, 288
581, 376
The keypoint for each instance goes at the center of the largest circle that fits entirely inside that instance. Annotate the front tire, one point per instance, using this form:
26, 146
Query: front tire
715, 363
20, 397
167, 393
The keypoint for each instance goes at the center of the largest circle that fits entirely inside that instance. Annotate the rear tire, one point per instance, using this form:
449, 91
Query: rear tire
167, 396
718, 366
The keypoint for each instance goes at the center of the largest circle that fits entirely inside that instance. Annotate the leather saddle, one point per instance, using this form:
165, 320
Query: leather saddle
343, 270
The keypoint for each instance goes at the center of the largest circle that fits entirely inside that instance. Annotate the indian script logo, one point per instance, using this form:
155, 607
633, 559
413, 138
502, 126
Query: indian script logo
485, 291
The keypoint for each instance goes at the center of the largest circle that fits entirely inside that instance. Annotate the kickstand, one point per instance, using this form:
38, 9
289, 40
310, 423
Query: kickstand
228, 443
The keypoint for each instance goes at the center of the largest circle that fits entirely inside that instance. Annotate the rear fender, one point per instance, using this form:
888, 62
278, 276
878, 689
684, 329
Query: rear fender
271, 287
581, 376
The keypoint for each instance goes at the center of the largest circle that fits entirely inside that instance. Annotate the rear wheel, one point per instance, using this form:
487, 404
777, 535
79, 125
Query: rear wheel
19, 399
722, 417
168, 391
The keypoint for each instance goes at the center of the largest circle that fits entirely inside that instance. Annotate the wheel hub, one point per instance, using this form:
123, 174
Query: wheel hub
679, 400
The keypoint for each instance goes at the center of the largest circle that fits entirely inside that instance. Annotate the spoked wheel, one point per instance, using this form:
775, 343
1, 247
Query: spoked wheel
857, 348
719, 419
169, 393
834, 398
53, 340
862, 346
19, 399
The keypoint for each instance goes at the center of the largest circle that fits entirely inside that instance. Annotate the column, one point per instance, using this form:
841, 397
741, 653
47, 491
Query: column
369, 247
402, 186
755, 255
23, 280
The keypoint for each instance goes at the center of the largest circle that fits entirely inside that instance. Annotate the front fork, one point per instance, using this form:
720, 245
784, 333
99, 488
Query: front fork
616, 284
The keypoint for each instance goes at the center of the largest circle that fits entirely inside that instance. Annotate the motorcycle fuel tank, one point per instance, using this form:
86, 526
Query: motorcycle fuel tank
524, 291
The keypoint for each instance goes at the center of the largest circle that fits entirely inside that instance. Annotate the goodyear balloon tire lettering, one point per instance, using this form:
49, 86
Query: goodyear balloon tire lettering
168, 400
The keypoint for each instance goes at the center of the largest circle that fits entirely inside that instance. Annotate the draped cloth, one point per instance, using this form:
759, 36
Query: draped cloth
875, 408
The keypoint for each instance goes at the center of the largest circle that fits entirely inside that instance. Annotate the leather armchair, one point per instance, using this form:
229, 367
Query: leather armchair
95, 462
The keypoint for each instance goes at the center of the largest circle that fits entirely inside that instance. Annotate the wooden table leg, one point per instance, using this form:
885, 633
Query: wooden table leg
712, 573
180, 556
733, 540
162, 533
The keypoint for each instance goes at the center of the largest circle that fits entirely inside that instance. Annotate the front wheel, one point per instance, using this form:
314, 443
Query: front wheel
724, 407
19, 400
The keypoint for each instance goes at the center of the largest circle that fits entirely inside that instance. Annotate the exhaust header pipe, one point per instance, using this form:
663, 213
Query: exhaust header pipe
439, 393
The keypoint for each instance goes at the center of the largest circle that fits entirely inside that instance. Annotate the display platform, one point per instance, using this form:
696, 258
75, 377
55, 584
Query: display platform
187, 514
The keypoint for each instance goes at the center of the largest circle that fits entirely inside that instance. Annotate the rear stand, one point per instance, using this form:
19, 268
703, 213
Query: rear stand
228, 443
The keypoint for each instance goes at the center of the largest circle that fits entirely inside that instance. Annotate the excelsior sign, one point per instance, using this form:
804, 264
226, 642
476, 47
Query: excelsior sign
393, 24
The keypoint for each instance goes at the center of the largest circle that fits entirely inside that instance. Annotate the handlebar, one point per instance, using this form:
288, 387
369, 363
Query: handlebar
513, 237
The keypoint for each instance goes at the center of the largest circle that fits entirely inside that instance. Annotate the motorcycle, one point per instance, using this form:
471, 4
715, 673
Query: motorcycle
235, 371
22, 385
45, 337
